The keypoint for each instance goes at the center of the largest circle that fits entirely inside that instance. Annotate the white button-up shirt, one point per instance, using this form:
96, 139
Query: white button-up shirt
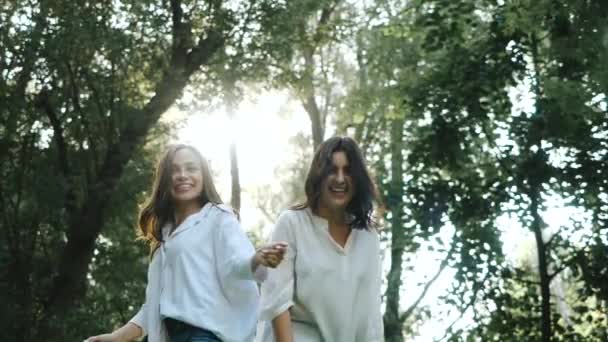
201, 275
332, 292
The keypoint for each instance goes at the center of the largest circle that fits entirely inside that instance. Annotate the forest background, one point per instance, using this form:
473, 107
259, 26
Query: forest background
485, 125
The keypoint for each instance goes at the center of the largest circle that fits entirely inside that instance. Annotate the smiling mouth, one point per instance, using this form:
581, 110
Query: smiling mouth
183, 187
338, 190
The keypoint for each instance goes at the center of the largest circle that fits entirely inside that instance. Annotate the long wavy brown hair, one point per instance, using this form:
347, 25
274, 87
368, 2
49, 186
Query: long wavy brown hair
158, 209
361, 206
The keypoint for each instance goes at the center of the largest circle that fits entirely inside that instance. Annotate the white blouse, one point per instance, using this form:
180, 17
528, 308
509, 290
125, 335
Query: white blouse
202, 275
332, 293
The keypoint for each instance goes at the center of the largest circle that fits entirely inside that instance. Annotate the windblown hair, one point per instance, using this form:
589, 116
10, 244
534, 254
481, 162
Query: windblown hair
158, 209
360, 208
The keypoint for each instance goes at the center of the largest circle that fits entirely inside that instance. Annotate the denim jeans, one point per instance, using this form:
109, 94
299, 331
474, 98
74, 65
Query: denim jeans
182, 332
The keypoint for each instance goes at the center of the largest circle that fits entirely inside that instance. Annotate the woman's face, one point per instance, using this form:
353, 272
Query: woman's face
186, 177
337, 188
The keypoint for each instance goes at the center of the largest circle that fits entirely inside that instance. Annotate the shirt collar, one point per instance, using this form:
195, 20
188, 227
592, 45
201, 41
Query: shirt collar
188, 223
319, 221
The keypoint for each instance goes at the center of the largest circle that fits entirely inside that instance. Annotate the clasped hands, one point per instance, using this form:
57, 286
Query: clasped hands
270, 255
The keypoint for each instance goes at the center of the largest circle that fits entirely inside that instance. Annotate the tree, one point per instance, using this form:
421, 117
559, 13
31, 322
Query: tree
425, 186
82, 87
303, 52
471, 155
528, 41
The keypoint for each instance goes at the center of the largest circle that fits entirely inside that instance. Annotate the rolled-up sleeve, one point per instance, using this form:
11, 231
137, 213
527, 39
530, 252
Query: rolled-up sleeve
278, 289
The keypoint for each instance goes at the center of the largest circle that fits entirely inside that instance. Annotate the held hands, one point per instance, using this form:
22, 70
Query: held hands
270, 255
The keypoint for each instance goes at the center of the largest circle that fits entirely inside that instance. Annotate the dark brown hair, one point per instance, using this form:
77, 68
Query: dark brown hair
360, 207
158, 209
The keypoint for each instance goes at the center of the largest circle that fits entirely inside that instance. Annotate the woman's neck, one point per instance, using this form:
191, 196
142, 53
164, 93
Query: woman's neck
339, 230
182, 211
333, 217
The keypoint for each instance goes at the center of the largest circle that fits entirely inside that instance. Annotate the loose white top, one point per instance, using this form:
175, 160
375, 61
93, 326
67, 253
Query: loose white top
202, 275
332, 293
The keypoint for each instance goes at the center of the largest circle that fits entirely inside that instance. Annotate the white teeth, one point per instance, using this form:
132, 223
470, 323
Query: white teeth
184, 187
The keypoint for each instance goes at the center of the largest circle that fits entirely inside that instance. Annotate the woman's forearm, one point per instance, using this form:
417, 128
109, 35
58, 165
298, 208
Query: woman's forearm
282, 327
128, 332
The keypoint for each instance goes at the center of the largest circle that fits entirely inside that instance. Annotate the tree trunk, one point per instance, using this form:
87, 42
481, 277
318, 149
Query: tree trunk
85, 223
309, 101
536, 181
545, 280
315, 121
393, 324
235, 199
606, 318
362, 78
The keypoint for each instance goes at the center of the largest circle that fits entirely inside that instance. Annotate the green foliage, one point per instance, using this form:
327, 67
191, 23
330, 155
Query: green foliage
472, 156
82, 85
429, 88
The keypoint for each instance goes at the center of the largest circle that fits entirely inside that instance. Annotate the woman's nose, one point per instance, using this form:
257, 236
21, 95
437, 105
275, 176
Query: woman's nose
181, 174
340, 177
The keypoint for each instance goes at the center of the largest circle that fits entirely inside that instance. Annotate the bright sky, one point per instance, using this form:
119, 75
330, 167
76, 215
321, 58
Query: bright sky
261, 130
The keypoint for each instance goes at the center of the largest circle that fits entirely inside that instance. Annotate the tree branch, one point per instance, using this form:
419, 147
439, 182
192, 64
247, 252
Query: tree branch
427, 286
465, 309
75, 96
326, 13
98, 103
526, 281
556, 272
550, 241
177, 30
43, 103
85, 224
202, 52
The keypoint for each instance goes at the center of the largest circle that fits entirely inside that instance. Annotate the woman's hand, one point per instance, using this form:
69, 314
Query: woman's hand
103, 338
127, 332
270, 255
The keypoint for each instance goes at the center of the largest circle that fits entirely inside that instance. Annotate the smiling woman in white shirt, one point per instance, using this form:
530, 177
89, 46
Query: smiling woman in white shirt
328, 286
203, 269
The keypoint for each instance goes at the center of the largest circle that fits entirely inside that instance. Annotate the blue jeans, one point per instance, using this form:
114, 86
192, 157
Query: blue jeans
183, 332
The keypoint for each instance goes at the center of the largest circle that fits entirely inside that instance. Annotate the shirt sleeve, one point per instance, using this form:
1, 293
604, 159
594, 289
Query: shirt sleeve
277, 291
141, 317
376, 331
234, 251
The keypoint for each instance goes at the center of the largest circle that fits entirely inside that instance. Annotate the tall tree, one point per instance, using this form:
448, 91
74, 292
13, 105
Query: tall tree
303, 54
82, 85
523, 45
472, 155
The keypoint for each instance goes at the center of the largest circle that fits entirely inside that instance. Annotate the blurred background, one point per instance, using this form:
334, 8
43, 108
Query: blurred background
484, 124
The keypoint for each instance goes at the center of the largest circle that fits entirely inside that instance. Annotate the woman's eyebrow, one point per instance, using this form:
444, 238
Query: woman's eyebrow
189, 163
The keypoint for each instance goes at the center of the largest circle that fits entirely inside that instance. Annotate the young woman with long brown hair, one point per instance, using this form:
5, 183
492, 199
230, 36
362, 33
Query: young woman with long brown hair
201, 277
328, 286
